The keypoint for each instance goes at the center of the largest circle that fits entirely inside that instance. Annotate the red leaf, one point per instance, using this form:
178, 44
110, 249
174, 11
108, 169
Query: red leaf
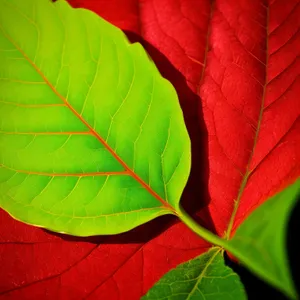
240, 85
39, 265
251, 106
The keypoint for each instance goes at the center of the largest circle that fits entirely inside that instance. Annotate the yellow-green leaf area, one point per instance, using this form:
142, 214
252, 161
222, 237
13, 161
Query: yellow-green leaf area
92, 138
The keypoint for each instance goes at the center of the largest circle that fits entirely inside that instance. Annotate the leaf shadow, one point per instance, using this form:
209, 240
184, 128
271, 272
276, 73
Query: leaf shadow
195, 196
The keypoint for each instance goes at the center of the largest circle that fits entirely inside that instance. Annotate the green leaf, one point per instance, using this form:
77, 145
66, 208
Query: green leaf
260, 242
92, 138
203, 278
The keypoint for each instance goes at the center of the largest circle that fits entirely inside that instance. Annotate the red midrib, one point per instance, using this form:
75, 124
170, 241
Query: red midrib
248, 171
93, 132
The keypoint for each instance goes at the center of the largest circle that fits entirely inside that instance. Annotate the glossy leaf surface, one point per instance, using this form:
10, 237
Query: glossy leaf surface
92, 137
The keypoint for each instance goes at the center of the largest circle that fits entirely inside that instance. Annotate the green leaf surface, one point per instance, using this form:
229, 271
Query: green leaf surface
261, 241
92, 138
203, 278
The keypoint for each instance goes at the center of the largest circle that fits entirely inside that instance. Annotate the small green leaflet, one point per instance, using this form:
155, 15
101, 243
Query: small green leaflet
92, 138
261, 241
203, 278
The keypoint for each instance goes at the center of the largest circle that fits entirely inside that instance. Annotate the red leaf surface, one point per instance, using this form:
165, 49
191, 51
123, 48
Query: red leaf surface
242, 58
251, 105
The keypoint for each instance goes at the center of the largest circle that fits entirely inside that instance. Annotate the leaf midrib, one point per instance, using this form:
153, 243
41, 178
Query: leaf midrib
248, 172
201, 275
92, 131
